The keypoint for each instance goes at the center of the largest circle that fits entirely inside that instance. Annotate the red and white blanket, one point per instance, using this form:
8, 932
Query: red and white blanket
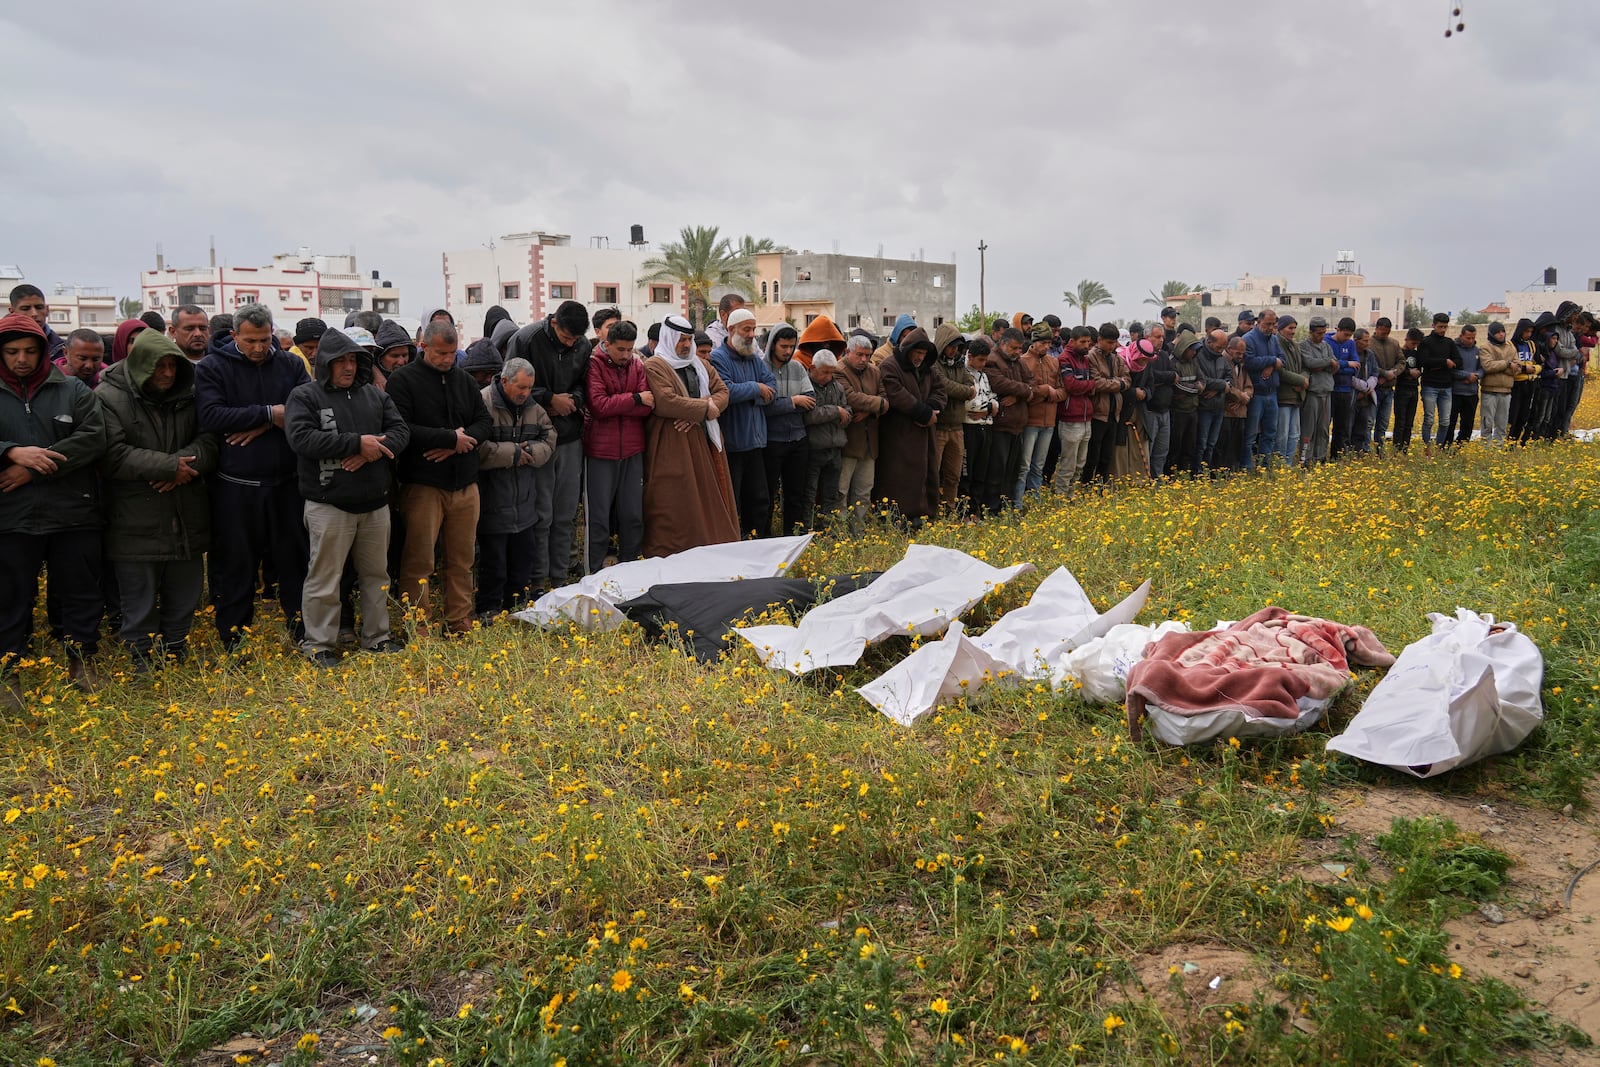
1260, 666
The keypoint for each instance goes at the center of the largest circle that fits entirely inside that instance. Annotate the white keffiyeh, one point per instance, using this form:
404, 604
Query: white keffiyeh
673, 328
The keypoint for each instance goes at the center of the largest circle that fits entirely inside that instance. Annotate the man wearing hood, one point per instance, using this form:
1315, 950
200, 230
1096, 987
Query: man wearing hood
483, 362
820, 335
345, 433
908, 472
864, 397
1184, 454
827, 430
1497, 361
493, 318
1565, 342
395, 350
1406, 390
521, 440
190, 330
751, 388
949, 436
51, 433
901, 324
1519, 426
256, 510
159, 512
787, 455
559, 352
29, 300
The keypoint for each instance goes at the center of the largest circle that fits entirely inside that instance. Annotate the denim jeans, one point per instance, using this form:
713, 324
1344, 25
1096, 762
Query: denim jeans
1210, 430
1289, 433
1435, 398
1030, 468
1380, 422
1260, 429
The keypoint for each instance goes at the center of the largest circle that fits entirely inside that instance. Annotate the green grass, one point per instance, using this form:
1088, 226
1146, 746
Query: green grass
646, 860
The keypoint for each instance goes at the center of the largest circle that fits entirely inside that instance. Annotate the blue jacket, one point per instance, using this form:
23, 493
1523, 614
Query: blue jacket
901, 325
1347, 362
1260, 357
1466, 363
232, 394
744, 424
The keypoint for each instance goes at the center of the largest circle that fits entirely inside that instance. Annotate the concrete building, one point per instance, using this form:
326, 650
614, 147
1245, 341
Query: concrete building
1529, 303
72, 307
295, 285
854, 291
1343, 291
530, 274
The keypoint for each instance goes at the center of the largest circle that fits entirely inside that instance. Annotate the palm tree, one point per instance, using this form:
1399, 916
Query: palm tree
129, 308
752, 247
701, 260
1088, 294
1170, 291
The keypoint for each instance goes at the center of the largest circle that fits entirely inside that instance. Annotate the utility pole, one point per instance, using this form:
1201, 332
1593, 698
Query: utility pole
983, 307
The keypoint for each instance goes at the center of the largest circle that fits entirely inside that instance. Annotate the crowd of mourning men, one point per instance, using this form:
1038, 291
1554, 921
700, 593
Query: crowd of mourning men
348, 467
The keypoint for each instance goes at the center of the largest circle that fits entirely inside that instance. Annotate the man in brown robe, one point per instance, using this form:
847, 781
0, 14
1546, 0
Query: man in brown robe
908, 470
688, 497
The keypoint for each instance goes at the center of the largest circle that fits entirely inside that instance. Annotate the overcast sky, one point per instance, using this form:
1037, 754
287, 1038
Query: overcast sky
1129, 141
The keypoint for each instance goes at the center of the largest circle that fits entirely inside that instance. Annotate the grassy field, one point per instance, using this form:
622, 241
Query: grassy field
530, 847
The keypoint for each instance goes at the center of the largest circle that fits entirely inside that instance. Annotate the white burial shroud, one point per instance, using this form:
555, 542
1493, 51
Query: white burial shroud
922, 594
1468, 690
592, 602
1024, 644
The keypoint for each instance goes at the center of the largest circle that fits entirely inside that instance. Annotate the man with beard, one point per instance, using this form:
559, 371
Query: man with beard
190, 330
751, 388
559, 352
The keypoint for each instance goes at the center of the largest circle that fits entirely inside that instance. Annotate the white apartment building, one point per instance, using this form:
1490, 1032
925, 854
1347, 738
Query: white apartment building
71, 306
1342, 292
295, 285
530, 274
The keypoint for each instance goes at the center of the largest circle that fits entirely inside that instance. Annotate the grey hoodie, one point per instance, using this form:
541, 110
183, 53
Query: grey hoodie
504, 330
1317, 358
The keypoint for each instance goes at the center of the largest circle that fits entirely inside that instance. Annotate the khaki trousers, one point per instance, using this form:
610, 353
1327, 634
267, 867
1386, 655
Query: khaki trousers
433, 516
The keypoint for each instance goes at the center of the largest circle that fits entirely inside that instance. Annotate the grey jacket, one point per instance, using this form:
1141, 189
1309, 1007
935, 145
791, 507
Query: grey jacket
822, 422
1317, 359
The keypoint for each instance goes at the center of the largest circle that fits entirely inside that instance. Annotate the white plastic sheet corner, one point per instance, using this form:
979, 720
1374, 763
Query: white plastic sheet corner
1100, 667
922, 594
1468, 690
1023, 644
592, 602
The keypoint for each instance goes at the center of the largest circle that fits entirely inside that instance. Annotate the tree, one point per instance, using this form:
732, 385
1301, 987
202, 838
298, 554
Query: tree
1170, 291
1468, 317
752, 247
701, 260
1417, 317
1089, 294
129, 308
975, 321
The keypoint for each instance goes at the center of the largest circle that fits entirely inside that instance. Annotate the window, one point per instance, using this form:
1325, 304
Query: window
283, 296
916, 276
91, 316
801, 274
854, 321
245, 296
60, 316
562, 290
888, 320
855, 274
774, 291
889, 277
1377, 304
305, 295
1319, 301
204, 295
938, 321
810, 318
385, 307
938, 281
345, 300
661, 294
474, 294
511, 291
763, 292
605, 294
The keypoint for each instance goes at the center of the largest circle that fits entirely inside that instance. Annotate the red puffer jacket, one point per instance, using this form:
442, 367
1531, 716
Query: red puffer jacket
613, 426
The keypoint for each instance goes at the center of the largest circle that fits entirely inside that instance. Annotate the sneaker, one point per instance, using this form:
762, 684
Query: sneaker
326, 659
348, 639
388, 646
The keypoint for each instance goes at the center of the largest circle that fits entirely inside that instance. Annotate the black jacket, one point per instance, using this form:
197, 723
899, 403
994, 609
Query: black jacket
1432, 351
1157, 379
555, 370
433, 404
324, 426
232, 394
